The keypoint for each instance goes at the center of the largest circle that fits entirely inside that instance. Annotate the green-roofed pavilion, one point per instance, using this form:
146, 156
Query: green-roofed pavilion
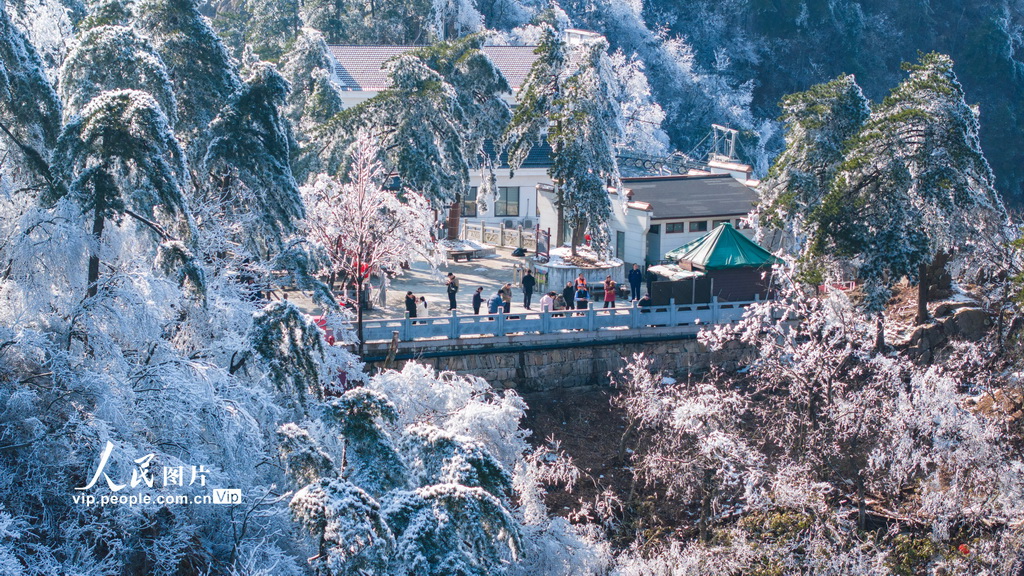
721, 249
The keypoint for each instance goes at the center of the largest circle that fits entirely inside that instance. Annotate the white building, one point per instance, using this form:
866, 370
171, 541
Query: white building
661, 213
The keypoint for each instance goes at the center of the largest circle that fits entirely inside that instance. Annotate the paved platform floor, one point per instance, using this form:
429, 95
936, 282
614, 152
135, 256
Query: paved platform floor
490, 272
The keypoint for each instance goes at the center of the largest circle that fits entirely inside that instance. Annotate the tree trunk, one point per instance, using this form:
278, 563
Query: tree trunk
94, 258
454, 215
922, 293
560, 218
880, 334
862, 515
705, 506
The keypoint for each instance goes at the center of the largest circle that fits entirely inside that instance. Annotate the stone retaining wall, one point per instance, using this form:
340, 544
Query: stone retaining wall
585, 362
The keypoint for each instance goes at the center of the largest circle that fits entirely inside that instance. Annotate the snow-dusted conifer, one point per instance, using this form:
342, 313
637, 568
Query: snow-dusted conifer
200, 69
113, 58
313, 99
121, 159
351, 534
818, 124
444, 100
570, 95
914, 182
371, 460
29, 109
292, 349
250, 148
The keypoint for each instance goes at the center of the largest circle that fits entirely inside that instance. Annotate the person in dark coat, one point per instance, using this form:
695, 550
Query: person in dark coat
453, 289
528, 283
569, 294
478, 299
635, 278
410, 304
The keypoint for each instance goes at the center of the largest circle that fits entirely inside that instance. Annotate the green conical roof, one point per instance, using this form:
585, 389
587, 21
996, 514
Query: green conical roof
723, 248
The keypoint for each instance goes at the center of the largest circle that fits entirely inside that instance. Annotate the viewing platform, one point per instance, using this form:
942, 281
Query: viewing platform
627, 321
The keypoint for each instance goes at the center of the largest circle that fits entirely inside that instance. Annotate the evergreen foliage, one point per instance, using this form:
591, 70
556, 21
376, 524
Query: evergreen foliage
443, 102
250, 148
120, 158
113, 58
571, 95
30, 111
200, 69
312, 101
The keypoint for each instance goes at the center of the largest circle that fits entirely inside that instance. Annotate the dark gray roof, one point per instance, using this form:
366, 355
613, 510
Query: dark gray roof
692, 196
538, 157
359, 67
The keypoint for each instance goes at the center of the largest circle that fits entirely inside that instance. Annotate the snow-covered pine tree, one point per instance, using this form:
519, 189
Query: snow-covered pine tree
570, 96
444, 100
201, 71
819, 122
271, 26
312, 101
120, 159
250, 148
113, 58
30, 113
914, 182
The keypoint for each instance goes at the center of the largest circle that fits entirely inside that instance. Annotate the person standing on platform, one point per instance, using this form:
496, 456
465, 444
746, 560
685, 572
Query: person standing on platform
410, 304
494, 303
635, 278
453, 289
547, 302
582, 297
506, 297
569, 294
528, 283
478, 299
609, 292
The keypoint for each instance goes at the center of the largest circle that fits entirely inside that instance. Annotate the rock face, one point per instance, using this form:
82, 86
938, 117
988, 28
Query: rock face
968, 324
954, 321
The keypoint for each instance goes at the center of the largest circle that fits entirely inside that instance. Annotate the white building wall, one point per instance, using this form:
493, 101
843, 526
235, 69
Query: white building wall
526, 180
634, 223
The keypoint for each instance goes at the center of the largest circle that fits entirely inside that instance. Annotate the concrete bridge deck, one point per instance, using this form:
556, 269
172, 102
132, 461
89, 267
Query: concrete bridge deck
523, 328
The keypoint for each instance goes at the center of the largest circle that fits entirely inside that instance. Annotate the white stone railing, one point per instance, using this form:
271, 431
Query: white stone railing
499, 235
592, 319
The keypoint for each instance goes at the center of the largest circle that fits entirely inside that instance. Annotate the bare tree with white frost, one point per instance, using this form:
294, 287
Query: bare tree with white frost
365, 227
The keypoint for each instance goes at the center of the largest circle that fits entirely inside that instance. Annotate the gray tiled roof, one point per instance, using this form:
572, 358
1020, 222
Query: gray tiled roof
359, 67
692, 196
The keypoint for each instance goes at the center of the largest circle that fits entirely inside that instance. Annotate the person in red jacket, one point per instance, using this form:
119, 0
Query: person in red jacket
609, 292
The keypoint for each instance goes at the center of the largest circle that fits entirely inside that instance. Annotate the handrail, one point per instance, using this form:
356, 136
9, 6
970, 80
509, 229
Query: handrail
593, 319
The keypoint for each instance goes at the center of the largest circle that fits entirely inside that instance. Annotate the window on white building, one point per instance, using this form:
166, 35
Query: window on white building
469, 203
507, 203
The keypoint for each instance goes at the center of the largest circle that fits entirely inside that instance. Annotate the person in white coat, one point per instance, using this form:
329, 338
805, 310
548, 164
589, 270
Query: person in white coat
547, 302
